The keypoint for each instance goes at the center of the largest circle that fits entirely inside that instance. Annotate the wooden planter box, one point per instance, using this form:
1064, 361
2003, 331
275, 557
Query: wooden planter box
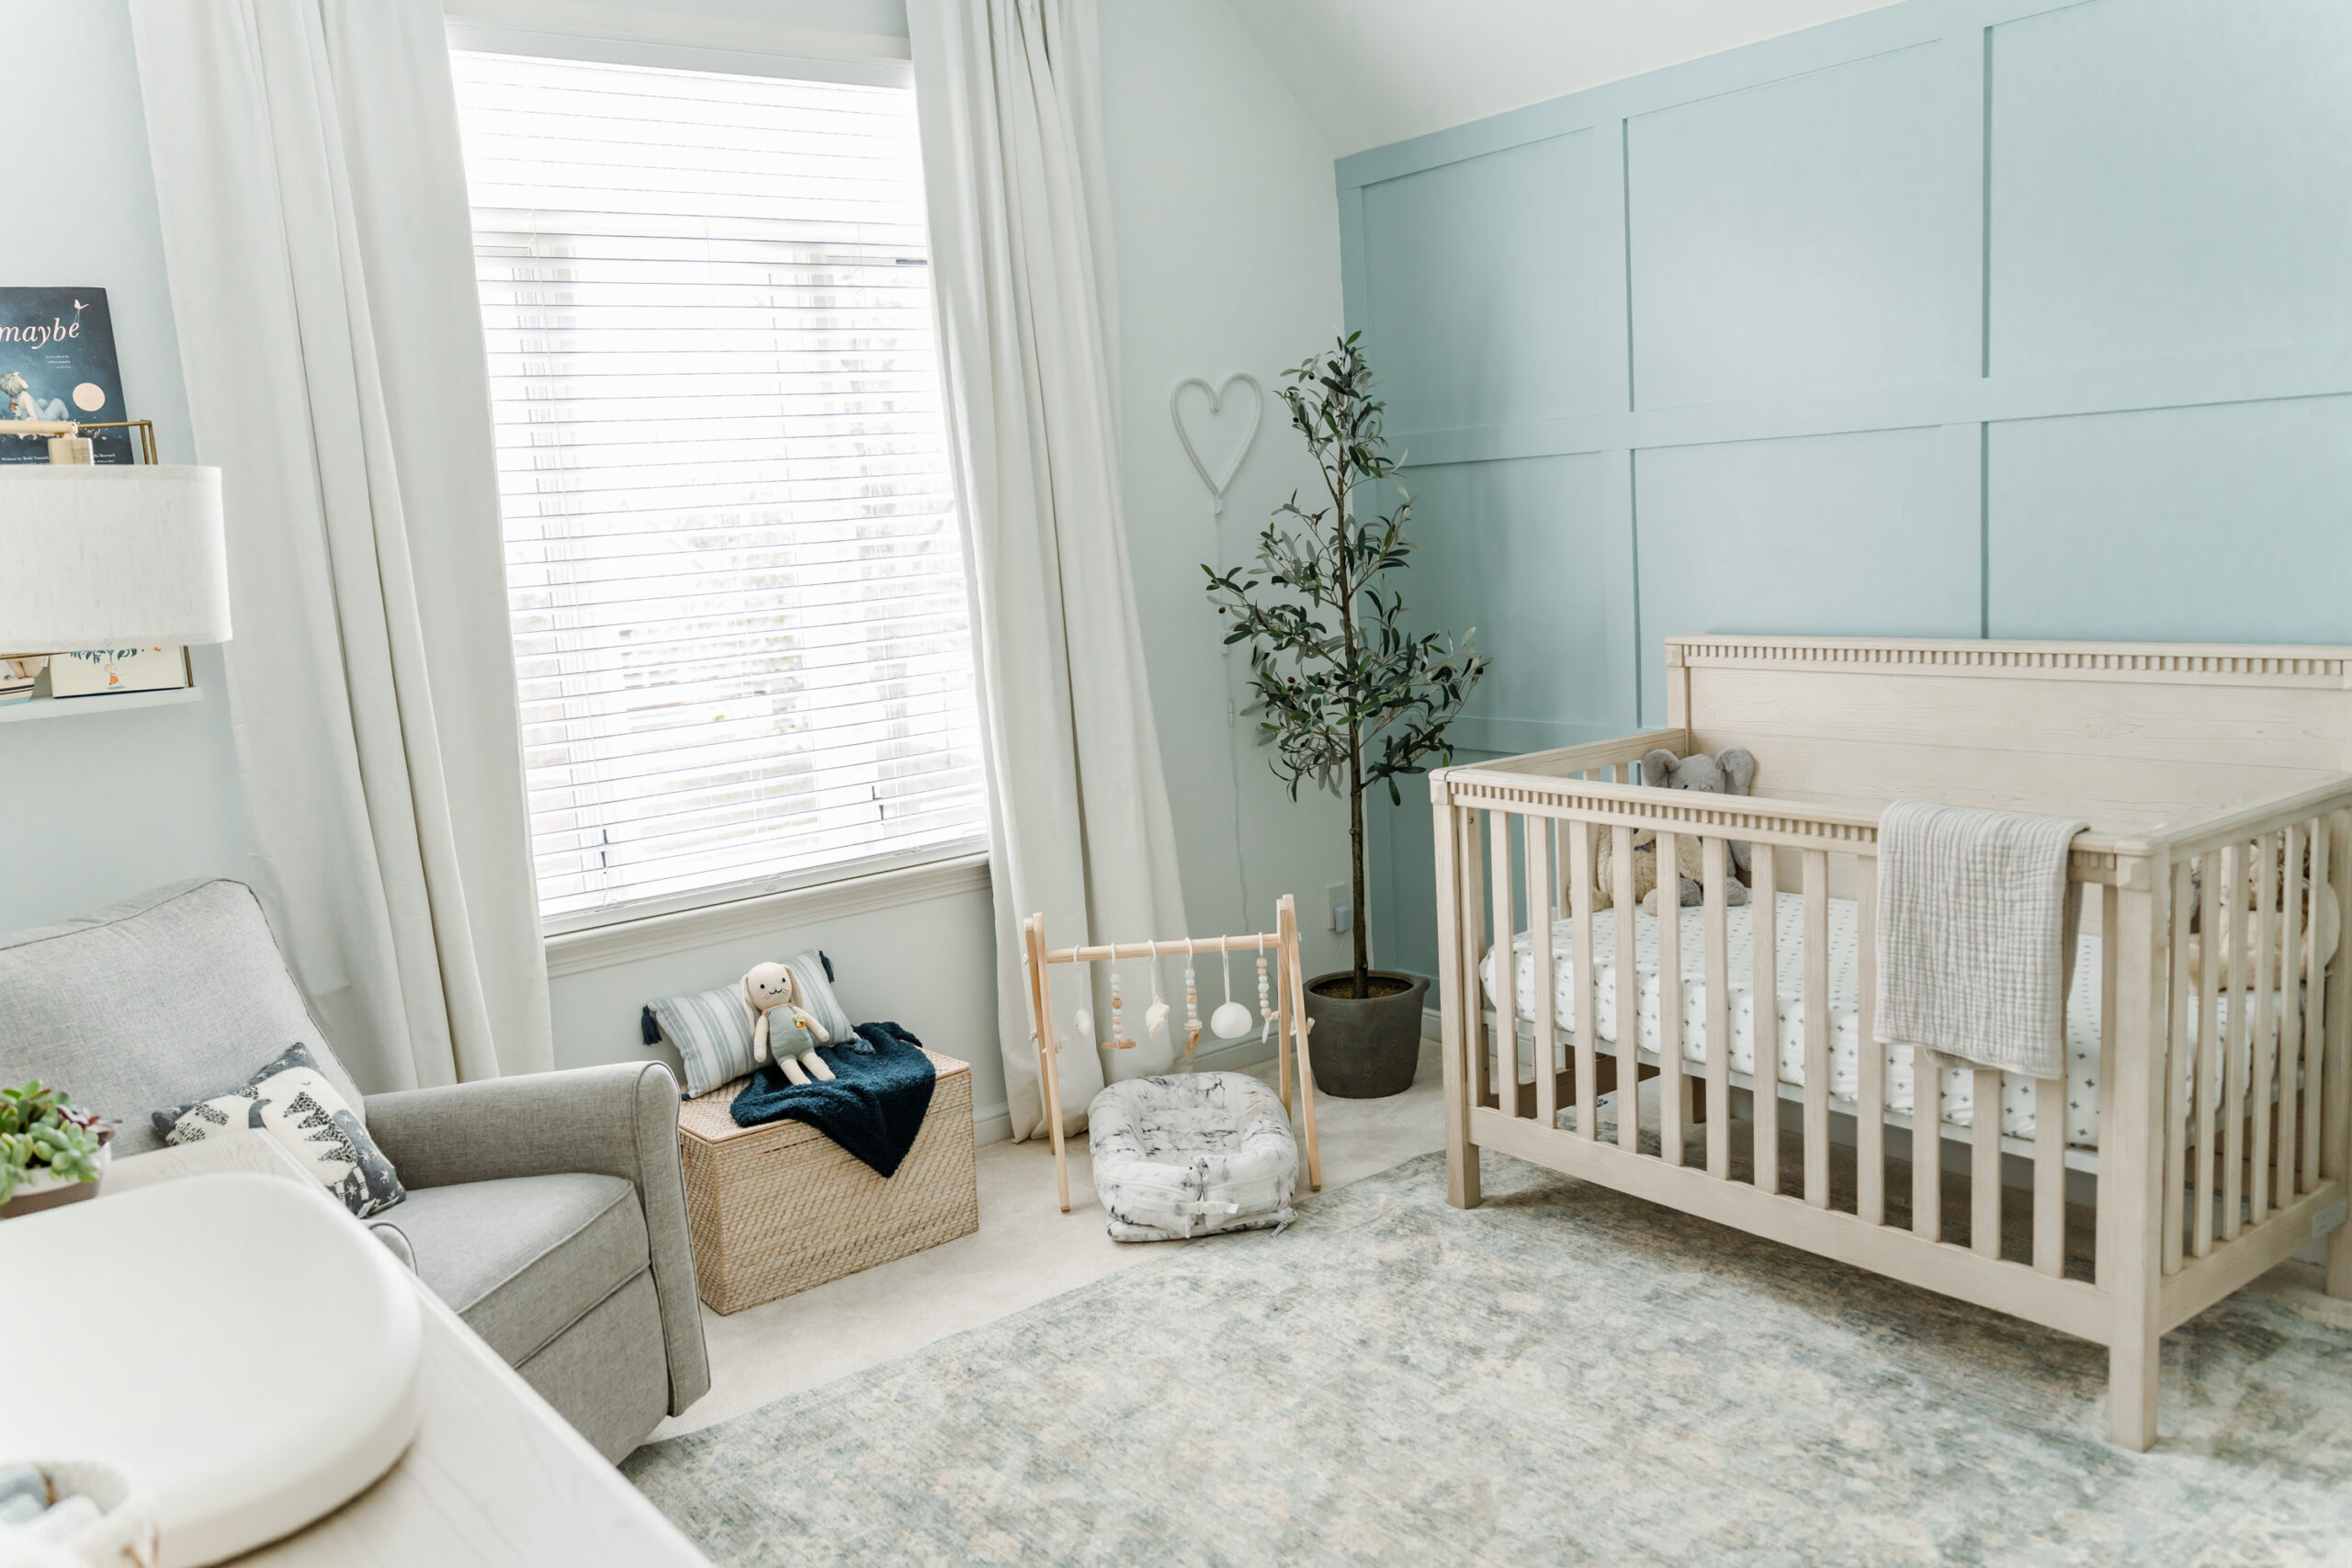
779, 1208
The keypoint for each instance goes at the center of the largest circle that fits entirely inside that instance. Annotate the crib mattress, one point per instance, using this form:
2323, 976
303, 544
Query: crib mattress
2019, 1108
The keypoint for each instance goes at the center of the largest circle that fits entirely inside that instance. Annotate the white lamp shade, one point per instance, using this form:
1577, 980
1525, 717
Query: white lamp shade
110, 556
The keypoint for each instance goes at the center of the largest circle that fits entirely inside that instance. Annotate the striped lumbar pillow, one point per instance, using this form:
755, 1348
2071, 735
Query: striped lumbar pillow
712, 1032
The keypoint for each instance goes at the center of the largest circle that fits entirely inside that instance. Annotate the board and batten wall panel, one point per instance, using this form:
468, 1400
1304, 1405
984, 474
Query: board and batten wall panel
2007, 318
1791, 237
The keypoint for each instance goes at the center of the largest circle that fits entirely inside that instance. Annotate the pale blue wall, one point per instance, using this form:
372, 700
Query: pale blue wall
1962, 318
99, 804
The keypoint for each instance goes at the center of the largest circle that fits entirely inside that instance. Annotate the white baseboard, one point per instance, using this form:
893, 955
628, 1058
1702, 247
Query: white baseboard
1432, 1025
991, 1124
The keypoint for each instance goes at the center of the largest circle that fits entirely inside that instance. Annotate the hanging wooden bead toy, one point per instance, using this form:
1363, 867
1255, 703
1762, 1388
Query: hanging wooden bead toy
1119, 1041
1265, 1001
1191, 1002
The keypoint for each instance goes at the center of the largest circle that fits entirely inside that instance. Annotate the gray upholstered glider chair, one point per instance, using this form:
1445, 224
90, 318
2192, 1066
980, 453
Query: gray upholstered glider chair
546, 1210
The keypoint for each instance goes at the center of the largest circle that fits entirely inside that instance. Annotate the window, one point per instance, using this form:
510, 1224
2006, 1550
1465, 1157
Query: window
734, 564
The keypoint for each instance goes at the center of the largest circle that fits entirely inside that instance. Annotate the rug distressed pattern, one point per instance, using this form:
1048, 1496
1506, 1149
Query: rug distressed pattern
1563, 1375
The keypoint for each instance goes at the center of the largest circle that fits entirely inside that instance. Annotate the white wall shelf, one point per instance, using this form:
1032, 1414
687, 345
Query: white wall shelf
65, 707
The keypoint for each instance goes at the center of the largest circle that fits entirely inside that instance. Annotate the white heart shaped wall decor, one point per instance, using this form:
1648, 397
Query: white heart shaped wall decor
1216, 398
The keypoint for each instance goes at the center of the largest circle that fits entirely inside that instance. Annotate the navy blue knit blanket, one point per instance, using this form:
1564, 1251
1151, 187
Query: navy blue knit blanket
874, 1106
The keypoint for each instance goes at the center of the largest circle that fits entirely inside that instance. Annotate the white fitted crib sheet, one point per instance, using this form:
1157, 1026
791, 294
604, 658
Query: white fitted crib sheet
2019, 1109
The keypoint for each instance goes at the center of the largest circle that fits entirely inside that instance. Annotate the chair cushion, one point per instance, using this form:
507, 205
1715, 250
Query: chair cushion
170, 997
524, 1257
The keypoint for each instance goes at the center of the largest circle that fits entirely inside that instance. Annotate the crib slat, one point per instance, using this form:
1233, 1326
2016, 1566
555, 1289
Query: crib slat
2315, 1021
2264, 1065
1506, 968
1629, 1011
1817, 1028
2234, 1043
1869, 1111
1764, 982
1927, 1147
1984, 1166
1539, 926
2290, 949
1473, 951
1714, 856
2177, 1090
2209, 991
1580, 902
2049, 1176
1670, 1081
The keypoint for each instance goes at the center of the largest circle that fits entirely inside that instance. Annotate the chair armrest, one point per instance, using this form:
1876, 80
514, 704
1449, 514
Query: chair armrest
618, 1120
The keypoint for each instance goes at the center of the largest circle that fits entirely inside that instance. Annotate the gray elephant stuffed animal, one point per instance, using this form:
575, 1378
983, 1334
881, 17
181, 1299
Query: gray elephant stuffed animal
1729, 771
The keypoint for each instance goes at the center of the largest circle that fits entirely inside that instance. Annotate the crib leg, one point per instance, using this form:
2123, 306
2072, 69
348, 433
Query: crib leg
2133, 1364
2339, 1263
1462, 1174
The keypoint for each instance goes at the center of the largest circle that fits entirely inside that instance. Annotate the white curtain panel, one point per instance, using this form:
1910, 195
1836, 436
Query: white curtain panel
1009, 95
316, 231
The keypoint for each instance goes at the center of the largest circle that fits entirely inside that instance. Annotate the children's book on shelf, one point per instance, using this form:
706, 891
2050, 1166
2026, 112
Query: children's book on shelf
18, 678
109, 671
57, 361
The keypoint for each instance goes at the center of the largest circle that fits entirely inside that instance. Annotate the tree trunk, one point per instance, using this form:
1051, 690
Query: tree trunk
1355, 865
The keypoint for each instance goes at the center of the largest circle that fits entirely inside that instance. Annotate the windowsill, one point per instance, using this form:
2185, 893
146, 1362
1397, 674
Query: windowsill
651, 936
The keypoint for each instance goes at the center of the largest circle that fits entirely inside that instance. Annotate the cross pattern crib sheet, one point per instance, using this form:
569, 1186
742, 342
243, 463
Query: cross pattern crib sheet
2017, 1096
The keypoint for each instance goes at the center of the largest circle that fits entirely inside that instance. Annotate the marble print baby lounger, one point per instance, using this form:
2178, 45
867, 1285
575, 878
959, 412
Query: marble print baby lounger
1192, 1154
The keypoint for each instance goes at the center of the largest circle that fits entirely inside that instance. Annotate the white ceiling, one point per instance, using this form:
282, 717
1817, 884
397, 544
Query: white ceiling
1372, 72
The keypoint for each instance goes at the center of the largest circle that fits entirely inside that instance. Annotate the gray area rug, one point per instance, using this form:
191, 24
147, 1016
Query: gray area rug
1563, 1375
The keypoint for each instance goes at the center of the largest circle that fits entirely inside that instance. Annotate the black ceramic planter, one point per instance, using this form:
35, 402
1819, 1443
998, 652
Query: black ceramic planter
1365, 1050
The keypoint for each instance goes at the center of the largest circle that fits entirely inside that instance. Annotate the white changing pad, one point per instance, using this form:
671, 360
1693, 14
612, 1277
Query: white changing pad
2019, 1110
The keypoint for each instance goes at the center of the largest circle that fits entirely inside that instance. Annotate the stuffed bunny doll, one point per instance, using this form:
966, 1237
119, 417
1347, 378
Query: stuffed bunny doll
773, 987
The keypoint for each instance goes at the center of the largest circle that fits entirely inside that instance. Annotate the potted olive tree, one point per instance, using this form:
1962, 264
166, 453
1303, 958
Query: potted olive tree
1349, 699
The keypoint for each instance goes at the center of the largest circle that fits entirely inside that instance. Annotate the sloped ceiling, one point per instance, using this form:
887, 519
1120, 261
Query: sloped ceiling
1372, 72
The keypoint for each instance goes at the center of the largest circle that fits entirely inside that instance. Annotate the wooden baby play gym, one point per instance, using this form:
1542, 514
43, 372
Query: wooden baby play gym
1282, 1009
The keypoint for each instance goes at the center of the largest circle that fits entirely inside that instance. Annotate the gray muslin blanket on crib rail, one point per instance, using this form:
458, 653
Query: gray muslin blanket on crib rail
1977, 925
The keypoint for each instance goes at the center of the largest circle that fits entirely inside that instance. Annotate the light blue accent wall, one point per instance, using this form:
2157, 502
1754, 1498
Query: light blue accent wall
1960, 318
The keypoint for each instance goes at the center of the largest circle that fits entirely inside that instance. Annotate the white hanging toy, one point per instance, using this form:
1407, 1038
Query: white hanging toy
773, 987
1155, 1018
1231, 1021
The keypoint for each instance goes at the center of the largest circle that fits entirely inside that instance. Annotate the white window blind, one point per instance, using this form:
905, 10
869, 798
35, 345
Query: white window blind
733, 560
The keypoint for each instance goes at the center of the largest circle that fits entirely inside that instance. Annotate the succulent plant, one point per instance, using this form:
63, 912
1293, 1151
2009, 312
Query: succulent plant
41, 1137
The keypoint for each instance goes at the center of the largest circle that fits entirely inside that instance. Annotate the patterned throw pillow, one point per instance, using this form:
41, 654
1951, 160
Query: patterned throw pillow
712, 1033
292, 1101
815, 973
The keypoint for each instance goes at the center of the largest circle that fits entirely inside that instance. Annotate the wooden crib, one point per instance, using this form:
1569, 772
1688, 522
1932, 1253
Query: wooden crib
2187, 759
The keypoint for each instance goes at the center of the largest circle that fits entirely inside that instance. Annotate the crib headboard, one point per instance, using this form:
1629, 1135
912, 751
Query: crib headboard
2129, 735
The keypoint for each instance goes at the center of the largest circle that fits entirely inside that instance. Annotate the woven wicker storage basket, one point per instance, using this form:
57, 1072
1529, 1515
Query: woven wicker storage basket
780, 1208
